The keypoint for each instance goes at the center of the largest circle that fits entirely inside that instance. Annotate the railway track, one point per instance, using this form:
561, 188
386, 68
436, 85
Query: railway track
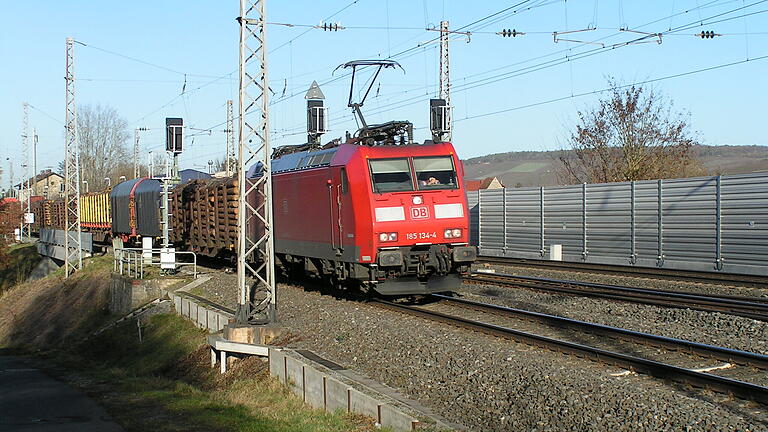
749, 307
641, 272
668, 358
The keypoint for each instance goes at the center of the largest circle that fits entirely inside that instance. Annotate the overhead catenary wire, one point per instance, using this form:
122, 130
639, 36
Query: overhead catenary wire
555, 62
643, 82
468, 84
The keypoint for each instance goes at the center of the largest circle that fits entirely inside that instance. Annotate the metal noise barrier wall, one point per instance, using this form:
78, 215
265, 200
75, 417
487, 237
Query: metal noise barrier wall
715, 224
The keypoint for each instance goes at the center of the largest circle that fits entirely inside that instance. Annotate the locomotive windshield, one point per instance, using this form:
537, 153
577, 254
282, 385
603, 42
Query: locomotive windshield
435, 172
391, 175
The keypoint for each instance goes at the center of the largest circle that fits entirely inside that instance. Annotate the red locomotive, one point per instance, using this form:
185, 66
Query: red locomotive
378, 209
393, 217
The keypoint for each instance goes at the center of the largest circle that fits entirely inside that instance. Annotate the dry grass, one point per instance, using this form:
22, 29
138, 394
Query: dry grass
164, 382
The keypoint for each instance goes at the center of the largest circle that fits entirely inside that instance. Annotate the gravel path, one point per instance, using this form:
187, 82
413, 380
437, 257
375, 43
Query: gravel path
487, 383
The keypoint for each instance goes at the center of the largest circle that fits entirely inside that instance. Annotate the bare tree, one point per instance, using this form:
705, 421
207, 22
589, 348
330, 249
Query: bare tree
633, 134
103, 136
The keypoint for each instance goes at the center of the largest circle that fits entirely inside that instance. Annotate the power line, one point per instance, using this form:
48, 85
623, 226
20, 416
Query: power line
551, 63
46, 114
144, 62
649, 81
515, 73
308, 30
548, 64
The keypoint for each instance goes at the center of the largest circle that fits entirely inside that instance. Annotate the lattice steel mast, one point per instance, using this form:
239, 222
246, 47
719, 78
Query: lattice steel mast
231, 157
26, 202
445, 77
73, 253
255, 257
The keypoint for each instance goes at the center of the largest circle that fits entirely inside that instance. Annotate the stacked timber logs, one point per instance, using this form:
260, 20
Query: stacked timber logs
205, 216
58, 214
181, 202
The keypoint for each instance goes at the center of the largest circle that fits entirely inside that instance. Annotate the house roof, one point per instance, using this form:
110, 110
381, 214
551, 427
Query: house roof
40, 177
473, 185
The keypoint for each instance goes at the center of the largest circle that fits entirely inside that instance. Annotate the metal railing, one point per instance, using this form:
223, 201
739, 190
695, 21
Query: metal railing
131, 261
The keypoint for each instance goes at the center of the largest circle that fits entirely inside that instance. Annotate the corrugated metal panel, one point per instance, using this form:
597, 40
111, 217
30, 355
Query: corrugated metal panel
563, 220
609, 218
523, 219
744, 225
690, 220
702, 224
492, 219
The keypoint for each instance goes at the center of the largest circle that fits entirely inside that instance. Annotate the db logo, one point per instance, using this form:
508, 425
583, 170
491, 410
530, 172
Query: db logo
419, 213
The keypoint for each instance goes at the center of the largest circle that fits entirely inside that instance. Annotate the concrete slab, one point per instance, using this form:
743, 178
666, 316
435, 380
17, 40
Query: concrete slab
336, 395
223, 321
314, 388
197, 282
277, 364
294, 376
396, 419
362, 403
221, 344
202, 317
211, 319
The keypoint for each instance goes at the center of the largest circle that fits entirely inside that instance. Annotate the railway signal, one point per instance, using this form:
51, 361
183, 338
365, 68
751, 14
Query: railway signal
316, 113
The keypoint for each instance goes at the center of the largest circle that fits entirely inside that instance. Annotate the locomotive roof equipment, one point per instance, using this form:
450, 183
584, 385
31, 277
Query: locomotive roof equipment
382, 64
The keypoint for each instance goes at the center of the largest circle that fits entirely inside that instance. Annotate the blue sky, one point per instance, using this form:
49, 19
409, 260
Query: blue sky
513, 76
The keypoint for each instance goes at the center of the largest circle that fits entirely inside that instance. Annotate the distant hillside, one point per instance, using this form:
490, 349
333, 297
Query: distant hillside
521, 169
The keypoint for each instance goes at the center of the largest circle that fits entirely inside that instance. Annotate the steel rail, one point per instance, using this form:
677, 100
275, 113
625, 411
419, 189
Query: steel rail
749, 307
721, 353
737, 388
642, 272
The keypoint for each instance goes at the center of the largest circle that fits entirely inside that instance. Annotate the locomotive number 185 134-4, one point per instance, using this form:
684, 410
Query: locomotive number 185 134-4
420, 235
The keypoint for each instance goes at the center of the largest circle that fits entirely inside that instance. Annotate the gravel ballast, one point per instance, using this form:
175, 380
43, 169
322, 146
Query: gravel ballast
712, 328
488, 383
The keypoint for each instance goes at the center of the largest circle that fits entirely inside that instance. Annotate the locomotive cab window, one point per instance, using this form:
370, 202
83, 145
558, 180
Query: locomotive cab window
435, 172
391, 175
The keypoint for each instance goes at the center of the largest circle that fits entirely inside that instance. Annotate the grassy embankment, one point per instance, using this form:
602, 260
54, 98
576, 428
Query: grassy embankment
164, 382
21, 260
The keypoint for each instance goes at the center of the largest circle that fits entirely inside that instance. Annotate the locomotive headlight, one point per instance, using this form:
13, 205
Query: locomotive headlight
452, 233
388, 237
417, 199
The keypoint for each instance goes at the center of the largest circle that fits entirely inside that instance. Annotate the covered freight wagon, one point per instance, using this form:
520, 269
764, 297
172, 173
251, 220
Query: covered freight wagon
136, 208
